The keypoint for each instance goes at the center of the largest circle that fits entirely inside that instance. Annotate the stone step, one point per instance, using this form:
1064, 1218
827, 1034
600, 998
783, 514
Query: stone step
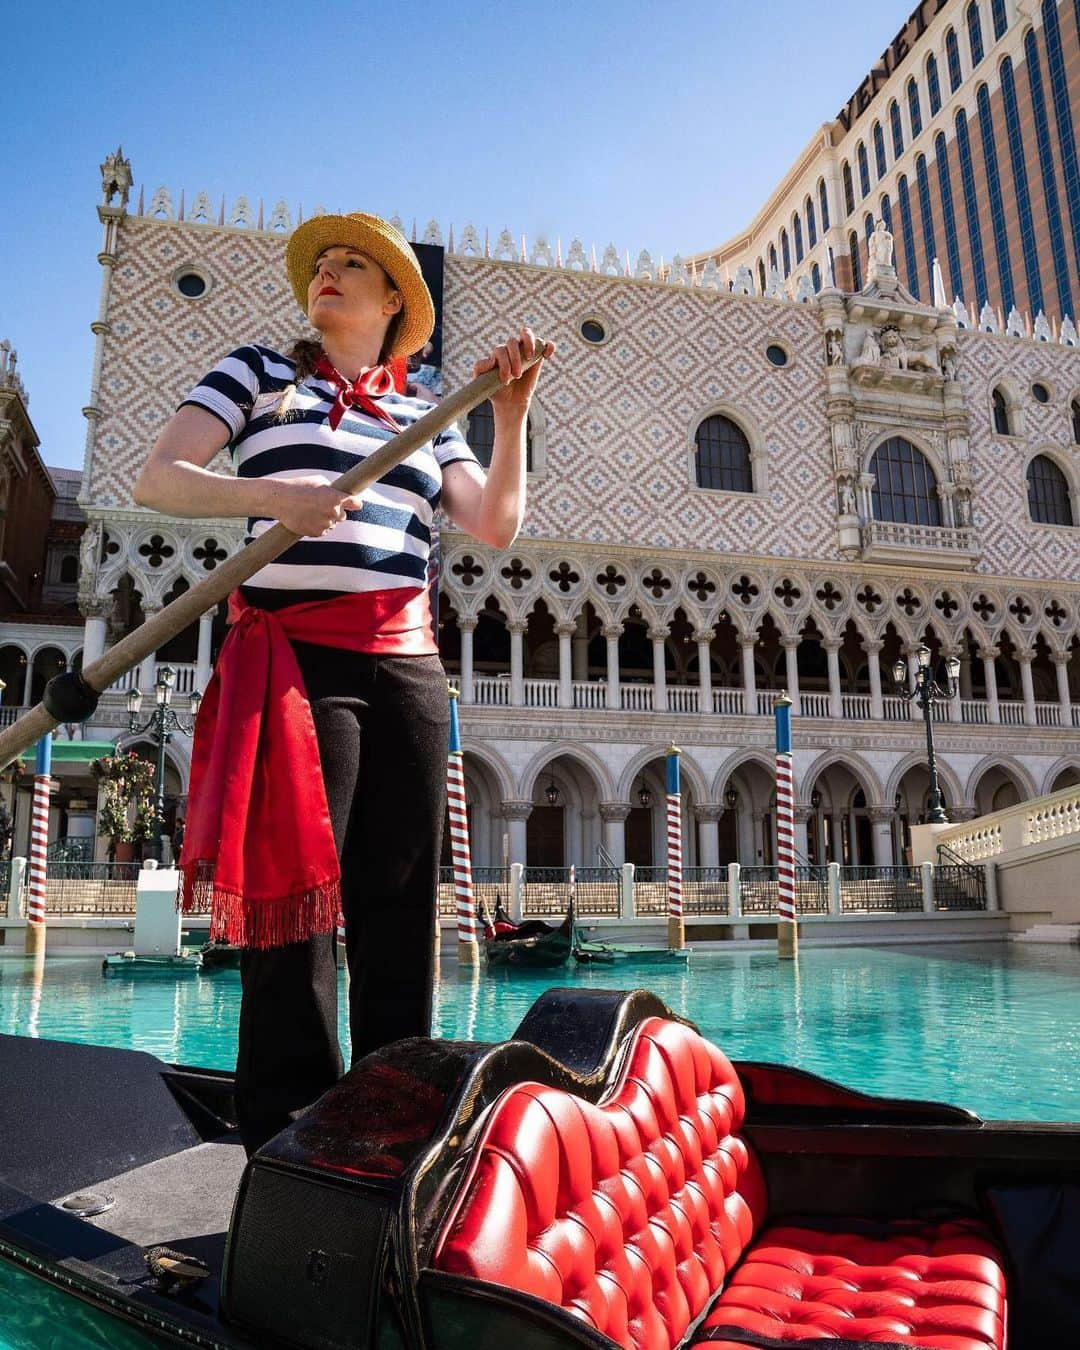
1049, 932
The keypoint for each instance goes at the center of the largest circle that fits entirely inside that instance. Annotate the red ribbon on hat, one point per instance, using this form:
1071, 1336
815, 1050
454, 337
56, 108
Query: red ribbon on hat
373, 382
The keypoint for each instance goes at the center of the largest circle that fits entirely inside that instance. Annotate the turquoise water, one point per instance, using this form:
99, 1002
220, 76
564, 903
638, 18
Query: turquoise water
993, 1027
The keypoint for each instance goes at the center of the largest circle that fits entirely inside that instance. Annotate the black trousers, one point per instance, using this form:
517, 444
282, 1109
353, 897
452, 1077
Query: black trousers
382, 725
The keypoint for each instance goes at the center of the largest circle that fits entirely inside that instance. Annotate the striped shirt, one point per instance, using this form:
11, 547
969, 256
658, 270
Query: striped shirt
386, 543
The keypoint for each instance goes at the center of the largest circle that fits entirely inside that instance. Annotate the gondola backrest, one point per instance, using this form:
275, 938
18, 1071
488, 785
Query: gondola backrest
627, 1213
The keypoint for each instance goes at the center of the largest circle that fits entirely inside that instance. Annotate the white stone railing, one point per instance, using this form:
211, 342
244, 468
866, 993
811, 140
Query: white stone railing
813, 705
856, 707
541, 693
728, 701
636, 697
683, 698
1055, 816
589, 694
974, 711
492, 691
1012, 713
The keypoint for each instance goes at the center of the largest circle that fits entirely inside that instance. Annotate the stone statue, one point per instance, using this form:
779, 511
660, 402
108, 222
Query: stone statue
834, 344
870, 355
847, 500
880, 246
895, 354
949, 364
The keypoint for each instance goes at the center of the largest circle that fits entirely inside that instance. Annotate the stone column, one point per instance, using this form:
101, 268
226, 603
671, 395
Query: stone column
749, 679
93, 631
516, 813
956, 712
791, 667
581, 647
707, 815
1061, 669
802, 836
744, 833
658, 637
1024, 658
202, 659
467, 627
965, 673
614, 814
832, 654
517, 662
988, 656
703, 638
148, 669
565, 633
872, 647
612, 633
881, 819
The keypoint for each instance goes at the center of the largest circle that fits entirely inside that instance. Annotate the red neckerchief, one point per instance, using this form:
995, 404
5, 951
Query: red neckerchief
373, 382
259, 849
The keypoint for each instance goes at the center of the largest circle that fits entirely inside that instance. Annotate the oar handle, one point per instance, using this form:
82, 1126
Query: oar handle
186, 608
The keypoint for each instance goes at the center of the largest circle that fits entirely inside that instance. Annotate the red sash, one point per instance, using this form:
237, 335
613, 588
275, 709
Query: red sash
258, 846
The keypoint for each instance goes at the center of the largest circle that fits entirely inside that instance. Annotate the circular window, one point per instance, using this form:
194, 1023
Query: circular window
592, 330
776, 354
1040, 393
191, 283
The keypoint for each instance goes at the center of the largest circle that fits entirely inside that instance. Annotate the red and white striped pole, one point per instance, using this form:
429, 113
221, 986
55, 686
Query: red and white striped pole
676, 926
468, 947
39, 850
787, 929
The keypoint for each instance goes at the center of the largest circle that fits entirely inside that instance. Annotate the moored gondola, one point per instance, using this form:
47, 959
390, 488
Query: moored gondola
530, 943
606, 1179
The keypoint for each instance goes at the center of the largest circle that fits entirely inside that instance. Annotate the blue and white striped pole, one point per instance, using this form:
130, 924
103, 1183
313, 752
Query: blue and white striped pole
468, 950
787, 929
39, 850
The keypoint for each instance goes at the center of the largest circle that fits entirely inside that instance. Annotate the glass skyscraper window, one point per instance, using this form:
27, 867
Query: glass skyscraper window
849, 192
933, 88
886, 212
823, 202
880, 162
811, 224
796, 229
948, 215
952, 53
897, 129
997, 205
1059, 91
815, 277
785, 252
864, 171
1023, 196
1049, 177
1001, 19
971, 209
974, 24
923, 181
908, 234
856, 276
914, 109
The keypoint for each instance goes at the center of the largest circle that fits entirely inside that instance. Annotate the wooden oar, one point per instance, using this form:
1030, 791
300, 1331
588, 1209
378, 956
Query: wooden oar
72, 697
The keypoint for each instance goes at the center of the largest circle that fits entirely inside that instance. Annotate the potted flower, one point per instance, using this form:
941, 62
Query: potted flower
126, 814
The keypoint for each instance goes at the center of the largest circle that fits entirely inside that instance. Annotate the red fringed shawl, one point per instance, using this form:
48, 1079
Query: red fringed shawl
258, 847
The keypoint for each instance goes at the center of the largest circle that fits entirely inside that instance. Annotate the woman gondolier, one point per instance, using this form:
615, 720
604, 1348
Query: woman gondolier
318, 766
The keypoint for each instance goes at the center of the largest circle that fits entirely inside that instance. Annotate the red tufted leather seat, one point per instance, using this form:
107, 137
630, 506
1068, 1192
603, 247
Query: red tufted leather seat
632, 1213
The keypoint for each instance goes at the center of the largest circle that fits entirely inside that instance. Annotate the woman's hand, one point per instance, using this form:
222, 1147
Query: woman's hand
309, 506
517, 390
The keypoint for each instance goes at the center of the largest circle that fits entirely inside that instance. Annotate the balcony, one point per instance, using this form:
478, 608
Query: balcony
936, 545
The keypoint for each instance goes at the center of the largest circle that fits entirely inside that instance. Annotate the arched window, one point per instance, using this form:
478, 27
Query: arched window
761, 274
886, 212
975, 41
69, 570
971, 205
907, 230
880, 162
823, 202
905, 489
1059, 92
997, 203
796, 229
1075, 409
772, 257
481, 435
815, 277
1017, 157
856, 274
897, 129
927, 212
785, 252
933, 87
952, 54
948, 214
1001, 19
868, 227
723, 456
811, 223
914, 110
864, 170
1002, 425
1048, 493
1044, 139
849, 191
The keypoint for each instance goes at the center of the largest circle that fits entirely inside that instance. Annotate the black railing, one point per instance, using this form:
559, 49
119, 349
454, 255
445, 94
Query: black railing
888, 890
546, 891
5, 887
958, 884
91, 888
78, 848
491, 885
760, 889
705, 890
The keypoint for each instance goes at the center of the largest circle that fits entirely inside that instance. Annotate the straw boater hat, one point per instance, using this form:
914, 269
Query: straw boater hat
380, 241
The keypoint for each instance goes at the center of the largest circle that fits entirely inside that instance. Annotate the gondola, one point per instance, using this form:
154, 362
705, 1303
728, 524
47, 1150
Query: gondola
606, 1179
219, 956
530, 943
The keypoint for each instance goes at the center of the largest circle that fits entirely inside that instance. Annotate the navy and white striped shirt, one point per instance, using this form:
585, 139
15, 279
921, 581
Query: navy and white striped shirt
383, 545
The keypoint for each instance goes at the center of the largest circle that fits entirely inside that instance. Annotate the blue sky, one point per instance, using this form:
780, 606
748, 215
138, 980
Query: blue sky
649, 126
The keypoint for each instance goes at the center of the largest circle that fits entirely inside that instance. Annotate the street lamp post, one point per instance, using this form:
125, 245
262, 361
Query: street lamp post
926, 693
161, 723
